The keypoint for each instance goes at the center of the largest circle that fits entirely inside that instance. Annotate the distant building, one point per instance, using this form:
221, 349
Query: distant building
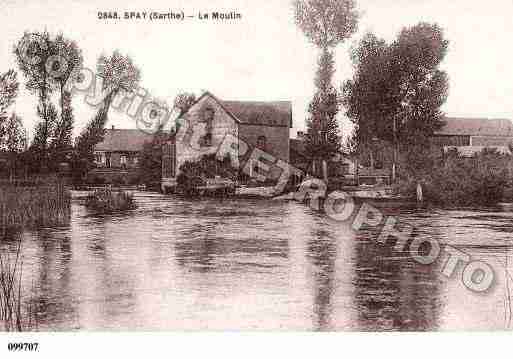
262, 125
298, 156
339, 166
471, 135
117, 156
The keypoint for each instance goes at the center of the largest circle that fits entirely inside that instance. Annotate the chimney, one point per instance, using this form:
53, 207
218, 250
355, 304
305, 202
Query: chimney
113, 128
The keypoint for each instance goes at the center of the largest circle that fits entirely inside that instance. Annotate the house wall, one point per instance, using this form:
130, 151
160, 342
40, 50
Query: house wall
115, 159
491, 141
277, 139
277, 144
168, 160
116, 172
446, 140
188, 138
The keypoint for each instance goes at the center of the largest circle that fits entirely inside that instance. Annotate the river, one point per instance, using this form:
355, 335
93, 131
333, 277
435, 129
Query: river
176, 264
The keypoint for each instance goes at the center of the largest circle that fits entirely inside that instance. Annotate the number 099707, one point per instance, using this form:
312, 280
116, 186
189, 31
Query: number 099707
23, 347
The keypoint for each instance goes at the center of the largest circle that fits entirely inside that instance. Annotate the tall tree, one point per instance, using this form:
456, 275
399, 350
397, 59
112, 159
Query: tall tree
182, 103
326, 24
83, 153
14, 141
118, 73
61, 145
150, 162
9, 86
398, 89
32, 53
70, 63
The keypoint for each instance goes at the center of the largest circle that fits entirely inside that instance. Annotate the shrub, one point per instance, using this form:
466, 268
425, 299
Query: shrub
107, 201
194, 174
462, 181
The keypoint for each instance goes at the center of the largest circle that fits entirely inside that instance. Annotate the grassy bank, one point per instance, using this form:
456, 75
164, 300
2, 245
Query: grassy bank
36, 205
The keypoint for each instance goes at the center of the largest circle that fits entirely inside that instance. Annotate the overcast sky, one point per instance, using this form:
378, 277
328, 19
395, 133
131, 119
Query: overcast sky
264, 56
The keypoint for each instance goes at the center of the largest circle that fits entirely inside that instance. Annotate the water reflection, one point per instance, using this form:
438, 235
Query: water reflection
175, 264
322, 252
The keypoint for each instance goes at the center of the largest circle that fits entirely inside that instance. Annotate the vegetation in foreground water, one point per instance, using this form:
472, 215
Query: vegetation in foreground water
105, 201
25, 205
15, 315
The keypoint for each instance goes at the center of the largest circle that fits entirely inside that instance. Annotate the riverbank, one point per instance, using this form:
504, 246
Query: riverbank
296, 269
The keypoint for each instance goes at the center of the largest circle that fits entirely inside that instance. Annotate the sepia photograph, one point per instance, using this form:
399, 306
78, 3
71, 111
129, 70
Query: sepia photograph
279, 166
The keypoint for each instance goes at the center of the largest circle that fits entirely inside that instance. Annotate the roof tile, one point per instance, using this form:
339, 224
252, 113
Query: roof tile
123, 140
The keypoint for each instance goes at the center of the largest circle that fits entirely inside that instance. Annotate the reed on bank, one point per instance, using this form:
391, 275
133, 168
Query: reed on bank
15, 315
34, 205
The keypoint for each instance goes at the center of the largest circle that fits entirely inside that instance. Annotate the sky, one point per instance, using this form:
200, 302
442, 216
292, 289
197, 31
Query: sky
263, 56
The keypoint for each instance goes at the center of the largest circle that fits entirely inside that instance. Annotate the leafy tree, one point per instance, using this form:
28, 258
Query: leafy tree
118, 73
71, 59
39, 149
397, 90
326, 24
322, 138
61, 145
32, 53
150, 161
14, 135
83, 153
14, 141
184, 101
182, 104
9, 86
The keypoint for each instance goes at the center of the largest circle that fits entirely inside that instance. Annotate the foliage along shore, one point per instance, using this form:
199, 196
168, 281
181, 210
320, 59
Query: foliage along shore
107, 201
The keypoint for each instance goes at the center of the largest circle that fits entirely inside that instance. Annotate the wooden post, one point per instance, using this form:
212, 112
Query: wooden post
356, 172
325, 171
420, 197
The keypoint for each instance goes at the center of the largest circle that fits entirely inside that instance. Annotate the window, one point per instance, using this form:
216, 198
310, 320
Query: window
123, 160
107, 160
261, 143
98, 157
208, 118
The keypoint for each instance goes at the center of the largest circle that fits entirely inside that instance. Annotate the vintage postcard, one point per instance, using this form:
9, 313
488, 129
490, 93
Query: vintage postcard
283, 166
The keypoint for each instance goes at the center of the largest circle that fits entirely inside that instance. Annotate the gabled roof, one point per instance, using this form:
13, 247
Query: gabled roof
123, 140
275, 113
476, 127
268, 113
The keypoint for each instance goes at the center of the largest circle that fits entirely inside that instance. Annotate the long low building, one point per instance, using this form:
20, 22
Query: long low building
474, 132
117, 156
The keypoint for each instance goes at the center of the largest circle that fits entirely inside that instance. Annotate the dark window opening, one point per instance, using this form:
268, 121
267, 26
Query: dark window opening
262, 143
208, 118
